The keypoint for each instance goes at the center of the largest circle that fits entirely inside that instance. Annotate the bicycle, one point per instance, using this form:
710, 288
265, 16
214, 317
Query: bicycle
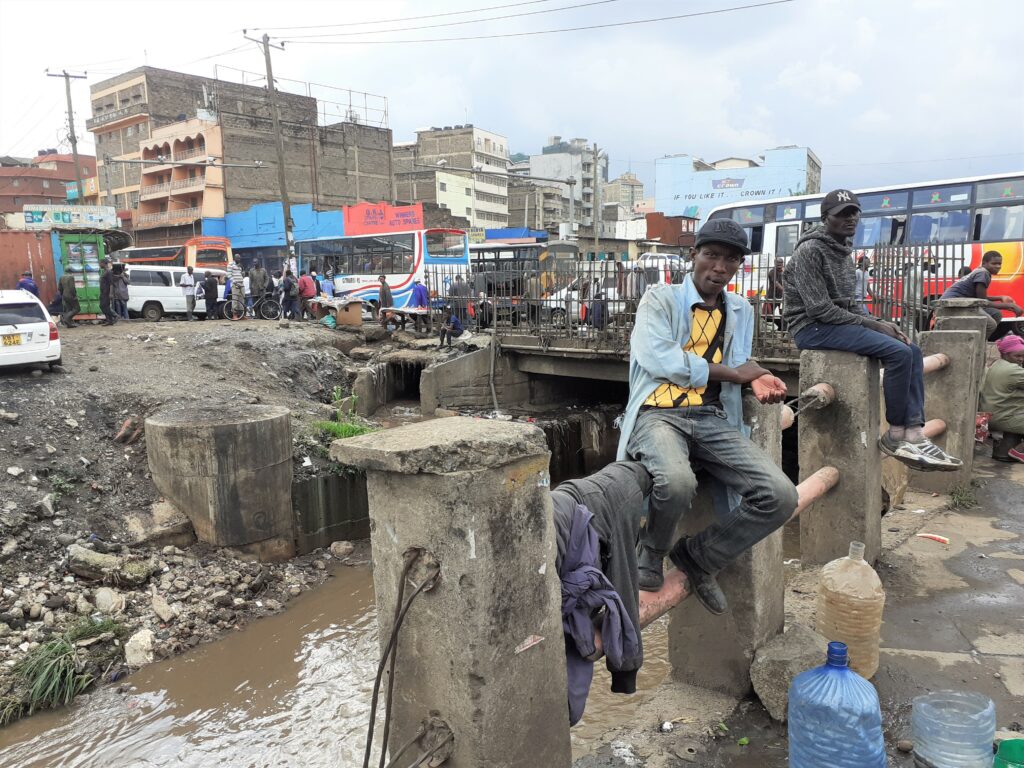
266, 307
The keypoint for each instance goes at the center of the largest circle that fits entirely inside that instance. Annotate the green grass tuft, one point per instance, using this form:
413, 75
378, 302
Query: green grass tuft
52, 674
962, 497
86, 627
11, 709
342, 429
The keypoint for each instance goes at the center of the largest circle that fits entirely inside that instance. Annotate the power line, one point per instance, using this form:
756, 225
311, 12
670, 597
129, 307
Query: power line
459, 23
408, 18
548, 31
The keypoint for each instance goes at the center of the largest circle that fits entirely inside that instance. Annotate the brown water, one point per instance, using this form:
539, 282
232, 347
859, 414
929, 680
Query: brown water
291, 689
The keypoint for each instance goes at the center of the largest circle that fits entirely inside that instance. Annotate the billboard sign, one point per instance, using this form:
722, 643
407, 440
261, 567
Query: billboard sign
374, 218
70, 217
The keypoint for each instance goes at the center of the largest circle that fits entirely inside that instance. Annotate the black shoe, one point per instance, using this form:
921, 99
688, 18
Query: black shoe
650, 568
703, 584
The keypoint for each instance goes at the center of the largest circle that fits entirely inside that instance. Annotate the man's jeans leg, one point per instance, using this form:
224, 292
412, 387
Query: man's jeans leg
661, 442
190, 306
903, 383
768, 497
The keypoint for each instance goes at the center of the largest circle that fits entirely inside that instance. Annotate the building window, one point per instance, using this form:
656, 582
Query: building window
442, 186
129, 131
16, 183
17, 201
469, 211
469, 191
46, 183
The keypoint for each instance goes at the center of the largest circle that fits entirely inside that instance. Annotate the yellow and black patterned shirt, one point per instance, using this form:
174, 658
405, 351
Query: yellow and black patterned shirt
707, 332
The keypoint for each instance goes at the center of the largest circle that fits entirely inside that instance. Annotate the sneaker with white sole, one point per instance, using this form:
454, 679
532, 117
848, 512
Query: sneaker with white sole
901, 450
937, 459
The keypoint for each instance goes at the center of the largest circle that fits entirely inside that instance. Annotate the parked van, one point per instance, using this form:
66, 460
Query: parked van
154, 291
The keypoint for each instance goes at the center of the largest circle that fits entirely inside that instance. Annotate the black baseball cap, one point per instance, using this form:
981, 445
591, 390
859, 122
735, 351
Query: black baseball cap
838, 199
724, 231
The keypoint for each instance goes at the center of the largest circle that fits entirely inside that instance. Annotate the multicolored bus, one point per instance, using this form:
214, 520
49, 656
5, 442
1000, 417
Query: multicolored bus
357, 262
942, 226
198, 252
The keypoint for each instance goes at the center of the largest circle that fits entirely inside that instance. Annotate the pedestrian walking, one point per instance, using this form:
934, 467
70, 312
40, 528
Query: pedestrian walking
28, 284
210, 289
69, 299
120, 291
107, 293
259, 281
187, 283
385, 300
307, 292
237, 277
290, 296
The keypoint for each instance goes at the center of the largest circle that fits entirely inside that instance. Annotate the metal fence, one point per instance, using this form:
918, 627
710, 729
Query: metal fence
594, 302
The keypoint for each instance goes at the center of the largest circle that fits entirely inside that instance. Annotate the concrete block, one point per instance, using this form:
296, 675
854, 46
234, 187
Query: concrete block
843, 435
161, 525
484, 648
782, 659
975, 322
951, 394
715, 652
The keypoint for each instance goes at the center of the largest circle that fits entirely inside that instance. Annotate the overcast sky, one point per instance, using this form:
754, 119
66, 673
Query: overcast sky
884, 91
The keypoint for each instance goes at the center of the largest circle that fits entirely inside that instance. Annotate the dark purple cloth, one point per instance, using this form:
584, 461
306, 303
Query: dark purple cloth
586, 590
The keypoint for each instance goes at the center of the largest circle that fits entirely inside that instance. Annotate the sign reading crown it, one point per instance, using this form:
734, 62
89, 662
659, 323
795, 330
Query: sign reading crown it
373, 218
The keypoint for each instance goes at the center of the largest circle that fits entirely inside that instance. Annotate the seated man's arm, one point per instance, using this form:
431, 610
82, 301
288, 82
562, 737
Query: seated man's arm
805, 274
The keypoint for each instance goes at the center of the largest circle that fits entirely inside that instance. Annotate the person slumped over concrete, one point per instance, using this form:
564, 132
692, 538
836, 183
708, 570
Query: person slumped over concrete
1002, 395
597, 520
821, 313
975, 285
689, 360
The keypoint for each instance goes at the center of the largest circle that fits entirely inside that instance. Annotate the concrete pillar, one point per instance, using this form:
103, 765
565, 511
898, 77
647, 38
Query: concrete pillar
843, 435
715, 652
229, 468
951, 394
484, 649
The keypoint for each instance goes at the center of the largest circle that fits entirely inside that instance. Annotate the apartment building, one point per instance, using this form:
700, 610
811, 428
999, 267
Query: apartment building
209, 146
574, 158
40, 180
626, 191
536, 205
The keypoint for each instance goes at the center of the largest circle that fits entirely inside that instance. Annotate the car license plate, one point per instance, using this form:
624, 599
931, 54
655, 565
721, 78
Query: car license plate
12, 340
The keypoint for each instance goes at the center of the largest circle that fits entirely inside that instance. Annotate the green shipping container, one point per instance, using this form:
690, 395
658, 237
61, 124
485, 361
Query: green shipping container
80, 256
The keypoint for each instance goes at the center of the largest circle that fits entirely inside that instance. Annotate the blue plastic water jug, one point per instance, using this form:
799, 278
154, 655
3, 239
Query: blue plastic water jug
835, 720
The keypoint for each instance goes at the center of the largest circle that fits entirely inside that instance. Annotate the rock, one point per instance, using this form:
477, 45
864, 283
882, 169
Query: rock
4, 630
163, 610
10, 546
101, 567
45, 508
320, 565
37, 374
160, 525
294, 590
138, 651
48, 619
777, 663
8, 417
272, 605
342, 549
71, 422
50, 449
66, 539
56, 601
83, 607
15, 471
109, 601
445, 413
905, 745
221, 598
35, 611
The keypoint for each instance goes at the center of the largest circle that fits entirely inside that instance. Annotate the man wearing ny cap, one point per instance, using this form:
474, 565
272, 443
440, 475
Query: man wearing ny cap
688, 364
819, 287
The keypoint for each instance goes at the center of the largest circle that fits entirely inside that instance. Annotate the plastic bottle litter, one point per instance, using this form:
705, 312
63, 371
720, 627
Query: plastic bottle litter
850, 603
835, 720
953, 729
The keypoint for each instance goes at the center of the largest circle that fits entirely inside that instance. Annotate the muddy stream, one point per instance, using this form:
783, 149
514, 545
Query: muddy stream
291, 689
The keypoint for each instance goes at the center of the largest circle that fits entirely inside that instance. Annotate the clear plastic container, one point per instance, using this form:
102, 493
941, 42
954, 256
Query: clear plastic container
834, 717
953, 729
850, 604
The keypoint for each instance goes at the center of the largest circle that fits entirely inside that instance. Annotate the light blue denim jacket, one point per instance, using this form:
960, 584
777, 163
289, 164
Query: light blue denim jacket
656, 353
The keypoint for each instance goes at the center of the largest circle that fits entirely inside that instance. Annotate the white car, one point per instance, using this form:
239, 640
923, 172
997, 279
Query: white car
154, 291
27, 332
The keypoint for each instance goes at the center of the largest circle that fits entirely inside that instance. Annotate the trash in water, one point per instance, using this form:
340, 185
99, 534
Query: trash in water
933, 537
307, 462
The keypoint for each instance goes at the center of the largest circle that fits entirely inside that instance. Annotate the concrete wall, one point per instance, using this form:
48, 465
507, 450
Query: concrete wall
465, 383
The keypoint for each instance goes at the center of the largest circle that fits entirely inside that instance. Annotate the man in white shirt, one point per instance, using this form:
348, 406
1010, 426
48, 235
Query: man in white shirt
188, 287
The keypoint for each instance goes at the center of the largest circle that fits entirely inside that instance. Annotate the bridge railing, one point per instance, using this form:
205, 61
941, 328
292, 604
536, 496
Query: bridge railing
483, 649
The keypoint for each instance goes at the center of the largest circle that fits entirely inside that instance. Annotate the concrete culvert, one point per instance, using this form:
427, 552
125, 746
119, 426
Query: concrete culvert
229, 468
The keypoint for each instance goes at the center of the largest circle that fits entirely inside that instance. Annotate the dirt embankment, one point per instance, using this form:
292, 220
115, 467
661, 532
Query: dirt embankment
66, 483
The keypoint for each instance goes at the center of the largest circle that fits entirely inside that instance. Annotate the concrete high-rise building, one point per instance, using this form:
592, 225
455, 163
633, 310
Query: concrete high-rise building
625, 191
688, 186
40, 180
536, 205
170, 118
467, 168
575, 159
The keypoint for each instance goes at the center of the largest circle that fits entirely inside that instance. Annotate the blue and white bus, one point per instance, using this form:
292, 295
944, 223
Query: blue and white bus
357, 262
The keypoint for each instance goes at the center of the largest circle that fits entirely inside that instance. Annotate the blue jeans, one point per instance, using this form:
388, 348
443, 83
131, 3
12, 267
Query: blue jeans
672, 443
903, 383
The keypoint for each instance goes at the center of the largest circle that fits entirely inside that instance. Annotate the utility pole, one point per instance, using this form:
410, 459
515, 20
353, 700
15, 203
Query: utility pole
71, 128
286, 207
593, 199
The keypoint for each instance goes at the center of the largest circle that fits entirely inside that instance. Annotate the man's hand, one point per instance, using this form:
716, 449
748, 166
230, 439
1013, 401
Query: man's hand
889, 330
768, 389
747, 372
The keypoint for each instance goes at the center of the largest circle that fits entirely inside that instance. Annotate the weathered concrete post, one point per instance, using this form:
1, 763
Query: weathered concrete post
844, 435
229, 468
715, 652
951, 394
484, 649
964, 315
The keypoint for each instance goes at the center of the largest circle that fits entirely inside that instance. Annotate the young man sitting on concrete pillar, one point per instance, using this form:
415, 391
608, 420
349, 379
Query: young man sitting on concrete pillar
688, 363
821, 313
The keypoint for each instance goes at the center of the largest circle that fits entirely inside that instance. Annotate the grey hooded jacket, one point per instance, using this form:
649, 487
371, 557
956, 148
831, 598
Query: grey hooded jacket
819, 283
